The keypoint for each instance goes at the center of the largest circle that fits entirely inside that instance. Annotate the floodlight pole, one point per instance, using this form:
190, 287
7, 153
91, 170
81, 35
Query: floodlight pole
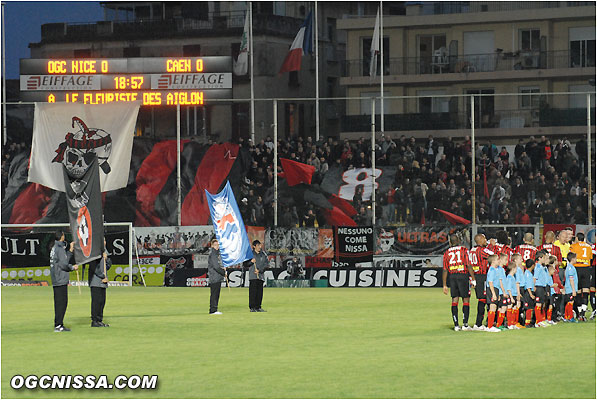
4, 119
178, 190
373, 161
316, 76
250, 43
589, 161
275, 125
473, 174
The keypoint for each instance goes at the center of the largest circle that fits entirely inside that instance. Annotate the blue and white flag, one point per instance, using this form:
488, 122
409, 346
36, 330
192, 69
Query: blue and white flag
229, 227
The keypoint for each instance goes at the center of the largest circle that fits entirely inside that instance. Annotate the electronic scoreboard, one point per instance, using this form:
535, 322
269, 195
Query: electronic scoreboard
155, 81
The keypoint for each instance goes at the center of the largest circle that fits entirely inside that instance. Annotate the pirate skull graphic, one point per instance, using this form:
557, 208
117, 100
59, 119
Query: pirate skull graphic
77, 151
386, 240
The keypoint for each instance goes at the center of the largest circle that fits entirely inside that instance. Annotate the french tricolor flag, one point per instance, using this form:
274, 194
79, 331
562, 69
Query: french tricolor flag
301, 45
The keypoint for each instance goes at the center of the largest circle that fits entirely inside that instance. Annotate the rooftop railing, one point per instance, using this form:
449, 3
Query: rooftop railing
501, 61
213, 23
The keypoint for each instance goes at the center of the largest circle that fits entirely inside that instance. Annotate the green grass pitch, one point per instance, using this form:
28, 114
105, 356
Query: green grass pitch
312, 343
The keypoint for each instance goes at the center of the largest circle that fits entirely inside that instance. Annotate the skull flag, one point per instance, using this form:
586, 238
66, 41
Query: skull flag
229, 227
85, 214
70, 135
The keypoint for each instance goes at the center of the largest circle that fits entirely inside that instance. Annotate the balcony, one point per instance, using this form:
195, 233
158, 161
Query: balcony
498, 119
502, 61
214, 24
468, 7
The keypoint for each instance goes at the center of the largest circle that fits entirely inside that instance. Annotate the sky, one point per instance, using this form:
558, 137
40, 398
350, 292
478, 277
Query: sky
23, 21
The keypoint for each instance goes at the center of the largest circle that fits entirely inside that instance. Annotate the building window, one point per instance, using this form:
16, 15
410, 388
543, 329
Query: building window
280, 8
429, 105
582, 53
433, 53
331, 25
580, 100
366, 46
366, 103
582, 47
293, 79
529, 99
529, 40
331, 87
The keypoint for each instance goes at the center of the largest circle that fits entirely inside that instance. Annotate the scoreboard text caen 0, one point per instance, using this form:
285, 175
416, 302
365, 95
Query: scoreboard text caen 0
137, 65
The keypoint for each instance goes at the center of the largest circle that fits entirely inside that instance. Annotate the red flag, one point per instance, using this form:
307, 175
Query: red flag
343, 205
296, 172
485, 189
336, 217
453, 218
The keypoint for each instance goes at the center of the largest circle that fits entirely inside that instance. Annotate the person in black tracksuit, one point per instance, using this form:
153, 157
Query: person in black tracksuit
98, 283
257, 267
59, 273
216, 275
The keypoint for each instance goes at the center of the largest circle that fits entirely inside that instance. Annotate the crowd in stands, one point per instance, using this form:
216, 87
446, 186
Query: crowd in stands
9, 151
544, 181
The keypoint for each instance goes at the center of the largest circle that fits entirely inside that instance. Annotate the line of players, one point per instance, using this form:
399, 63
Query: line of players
525, 287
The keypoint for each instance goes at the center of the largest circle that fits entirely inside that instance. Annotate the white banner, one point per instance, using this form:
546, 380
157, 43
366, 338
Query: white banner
60, 82
67, 133
215, 80
408, 261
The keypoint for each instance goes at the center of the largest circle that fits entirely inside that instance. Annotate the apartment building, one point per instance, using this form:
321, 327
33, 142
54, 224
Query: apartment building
452, 49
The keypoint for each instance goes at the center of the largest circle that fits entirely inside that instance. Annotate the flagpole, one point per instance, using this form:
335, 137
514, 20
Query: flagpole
474, 175
373, 160
316, 76
178, 190
4, 134
589, 157
251, 61
275, 162
381, 110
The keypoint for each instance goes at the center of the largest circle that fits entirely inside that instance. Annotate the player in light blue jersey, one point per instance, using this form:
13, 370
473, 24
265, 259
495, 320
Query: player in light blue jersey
541, 282
529, 294
503, 305
493, 284
511, 290
520, 285
570, 288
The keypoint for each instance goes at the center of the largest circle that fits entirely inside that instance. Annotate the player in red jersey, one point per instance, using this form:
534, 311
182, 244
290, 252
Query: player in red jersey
457, 265
478, 259
502, 245
527, 250
548, 246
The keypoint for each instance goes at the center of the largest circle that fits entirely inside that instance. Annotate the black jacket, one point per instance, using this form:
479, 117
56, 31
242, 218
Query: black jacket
215, 272
261, 264
59, 264
98, 274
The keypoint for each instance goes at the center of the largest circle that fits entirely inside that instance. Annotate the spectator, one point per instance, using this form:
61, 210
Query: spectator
497, 196
309, 219
431, 149
522, 217
504, 155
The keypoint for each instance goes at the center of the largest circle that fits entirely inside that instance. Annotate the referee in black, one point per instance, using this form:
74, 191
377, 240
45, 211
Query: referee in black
59, 273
